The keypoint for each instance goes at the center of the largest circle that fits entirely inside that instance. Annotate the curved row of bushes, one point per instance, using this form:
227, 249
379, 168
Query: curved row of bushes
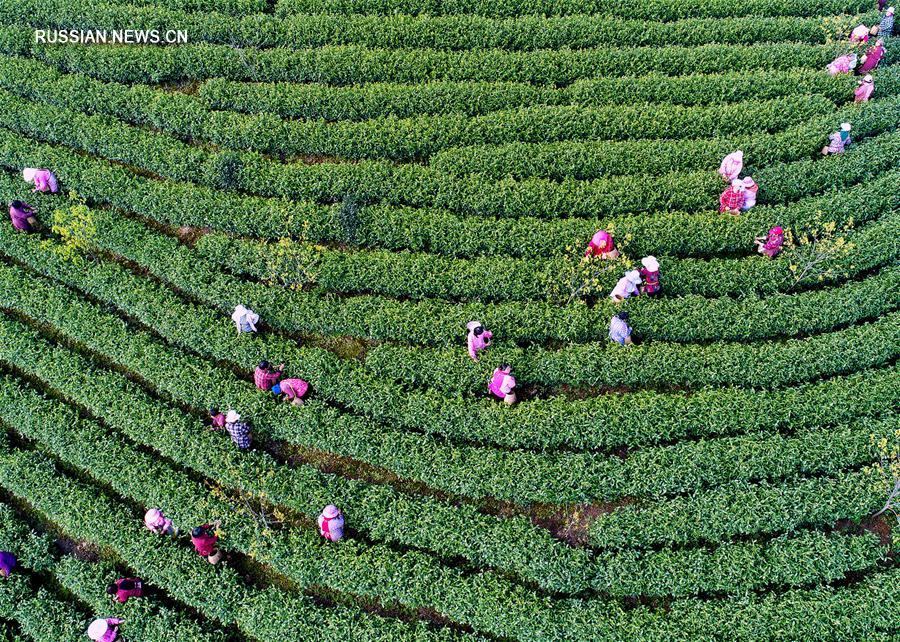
784, 561
641, 418
41, 615
406, 139
664, 233
31, 478
758, 365
740, 509
405, 184
297, 100
343, 382
654, 10
219, 592
648, 574
419, 137
655, 470
592, 159
353, 65
49, 619
231, 7
418, 276
180, 112
426, 32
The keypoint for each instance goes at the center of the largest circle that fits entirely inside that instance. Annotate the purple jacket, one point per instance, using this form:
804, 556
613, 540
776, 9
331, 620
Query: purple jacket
7, 562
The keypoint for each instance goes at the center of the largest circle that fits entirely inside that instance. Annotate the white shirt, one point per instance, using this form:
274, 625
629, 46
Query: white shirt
624, 288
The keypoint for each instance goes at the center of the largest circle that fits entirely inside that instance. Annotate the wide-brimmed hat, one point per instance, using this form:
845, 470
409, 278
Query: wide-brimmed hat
232, 417
601, 236
331, 511
153, 515
890, 11
749, 182
471, 325
97, 629
845, 127
28, 174
737, 183
868, 78
650, 263
634, 276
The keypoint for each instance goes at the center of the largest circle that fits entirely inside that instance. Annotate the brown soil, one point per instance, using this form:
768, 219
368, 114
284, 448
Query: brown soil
344, 347
190, 235
185, 87
319, 160
571, 523
882, 527
84, 551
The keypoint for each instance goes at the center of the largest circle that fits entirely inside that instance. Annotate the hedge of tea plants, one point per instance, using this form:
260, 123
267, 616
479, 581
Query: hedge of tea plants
371, 175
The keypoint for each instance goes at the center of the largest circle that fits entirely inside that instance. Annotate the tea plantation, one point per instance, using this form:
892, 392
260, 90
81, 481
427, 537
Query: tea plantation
369, 176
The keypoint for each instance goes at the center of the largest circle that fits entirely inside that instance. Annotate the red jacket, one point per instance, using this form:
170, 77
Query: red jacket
205, 545
731, 200
136, 590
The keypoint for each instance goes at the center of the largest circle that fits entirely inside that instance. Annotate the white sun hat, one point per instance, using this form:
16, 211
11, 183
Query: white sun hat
97, 629
634, 276
232, 417
28, 174
331, 511
650, 263
845, 127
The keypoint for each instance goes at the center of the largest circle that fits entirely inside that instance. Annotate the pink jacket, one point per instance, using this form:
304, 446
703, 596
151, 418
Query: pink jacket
864, 91
873, 57
732, 165
123, 594
842, 64
293, 388
331, 528
478, 343
502, 383
45, 181
160, 526
601, 243
774, 242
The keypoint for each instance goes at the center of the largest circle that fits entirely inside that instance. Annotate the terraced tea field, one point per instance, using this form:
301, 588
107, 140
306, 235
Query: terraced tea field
371, 175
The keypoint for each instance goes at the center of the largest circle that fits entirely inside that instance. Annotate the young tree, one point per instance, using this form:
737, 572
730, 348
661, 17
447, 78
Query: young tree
887, 472
818, 252
582, 278
76, 229
291, 263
